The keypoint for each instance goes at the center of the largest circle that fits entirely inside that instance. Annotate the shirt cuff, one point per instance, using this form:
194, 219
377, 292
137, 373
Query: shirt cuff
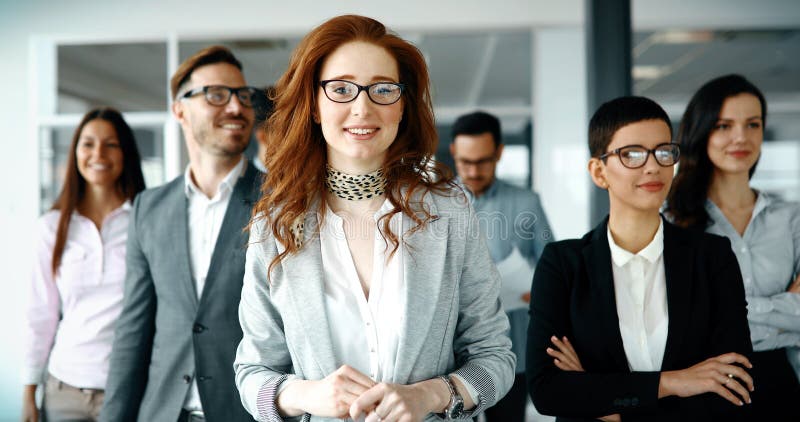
32, 375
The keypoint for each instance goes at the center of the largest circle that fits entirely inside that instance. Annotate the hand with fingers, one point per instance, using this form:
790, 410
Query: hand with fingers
566, 358
564, 355
329, 397
398, 403
721, 375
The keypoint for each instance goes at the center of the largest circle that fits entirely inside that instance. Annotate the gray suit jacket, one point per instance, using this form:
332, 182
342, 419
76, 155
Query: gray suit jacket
454, 322
165, 336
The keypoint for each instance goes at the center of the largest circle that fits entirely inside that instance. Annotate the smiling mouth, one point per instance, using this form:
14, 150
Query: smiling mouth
233, 126
739, 153
99, 166
360, 131
652, 186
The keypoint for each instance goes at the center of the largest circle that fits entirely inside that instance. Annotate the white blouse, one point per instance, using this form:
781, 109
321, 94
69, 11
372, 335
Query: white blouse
365, 332
640, 287
70, 317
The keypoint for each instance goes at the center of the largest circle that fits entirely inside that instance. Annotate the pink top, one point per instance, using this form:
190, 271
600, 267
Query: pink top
70, 318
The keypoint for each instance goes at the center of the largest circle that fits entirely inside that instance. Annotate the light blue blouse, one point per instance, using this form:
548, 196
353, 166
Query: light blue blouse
769, 258
510, 216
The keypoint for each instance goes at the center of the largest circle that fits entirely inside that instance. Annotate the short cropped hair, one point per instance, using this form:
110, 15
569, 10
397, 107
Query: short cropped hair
209, 55
617, 113
477, 123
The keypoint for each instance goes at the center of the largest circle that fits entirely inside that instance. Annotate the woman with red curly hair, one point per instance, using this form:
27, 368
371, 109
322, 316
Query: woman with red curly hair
368, 292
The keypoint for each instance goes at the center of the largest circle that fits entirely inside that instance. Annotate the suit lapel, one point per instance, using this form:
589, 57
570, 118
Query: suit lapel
176, 232
231, 235
597, 256
424, 257
304, 271
678, 267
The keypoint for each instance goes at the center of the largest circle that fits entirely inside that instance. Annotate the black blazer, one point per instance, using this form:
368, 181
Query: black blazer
573, 296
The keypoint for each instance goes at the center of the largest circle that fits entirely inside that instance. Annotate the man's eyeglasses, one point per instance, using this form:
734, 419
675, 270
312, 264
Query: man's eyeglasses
635, 156
219, 95
341, 91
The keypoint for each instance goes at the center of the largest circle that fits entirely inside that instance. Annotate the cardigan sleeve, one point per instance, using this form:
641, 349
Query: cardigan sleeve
482, 347
262, 362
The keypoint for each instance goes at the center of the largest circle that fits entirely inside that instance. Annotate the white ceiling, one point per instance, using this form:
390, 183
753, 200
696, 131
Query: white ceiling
484, 69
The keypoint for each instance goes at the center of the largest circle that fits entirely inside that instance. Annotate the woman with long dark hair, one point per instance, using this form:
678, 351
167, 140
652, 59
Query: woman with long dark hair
368, 291
721, 135
76, 291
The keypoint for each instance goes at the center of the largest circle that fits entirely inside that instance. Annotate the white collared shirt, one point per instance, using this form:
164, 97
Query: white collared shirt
640, 287
71, 317
365, 332
205, 220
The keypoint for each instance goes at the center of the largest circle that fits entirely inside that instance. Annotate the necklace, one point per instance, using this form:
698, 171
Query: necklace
348, 187
355, 188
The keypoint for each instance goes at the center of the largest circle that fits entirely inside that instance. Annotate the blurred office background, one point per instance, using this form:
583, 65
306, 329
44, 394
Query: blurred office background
523, 60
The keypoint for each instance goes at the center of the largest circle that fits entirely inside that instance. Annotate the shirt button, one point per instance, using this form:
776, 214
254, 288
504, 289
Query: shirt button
744, 249
198, 328
372, 350
747, 280
368, 324
187, 379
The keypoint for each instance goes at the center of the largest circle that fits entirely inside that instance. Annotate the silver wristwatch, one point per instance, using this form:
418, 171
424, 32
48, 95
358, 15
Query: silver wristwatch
454, 409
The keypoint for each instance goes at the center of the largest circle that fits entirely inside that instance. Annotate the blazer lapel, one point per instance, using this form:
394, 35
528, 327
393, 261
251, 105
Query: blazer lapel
678, 267
177, 234
307, 293
424, 256
597, 256
231, 234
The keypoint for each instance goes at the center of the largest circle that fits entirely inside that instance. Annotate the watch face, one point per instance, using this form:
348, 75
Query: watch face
456, 409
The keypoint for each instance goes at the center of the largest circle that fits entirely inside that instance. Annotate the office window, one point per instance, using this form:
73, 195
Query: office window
670, 65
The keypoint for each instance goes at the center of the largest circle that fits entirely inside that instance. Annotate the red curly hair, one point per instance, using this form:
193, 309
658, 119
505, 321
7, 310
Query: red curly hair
297, 152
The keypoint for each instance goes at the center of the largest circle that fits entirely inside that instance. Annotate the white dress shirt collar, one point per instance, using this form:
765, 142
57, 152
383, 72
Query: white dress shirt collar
226, 184
651, 252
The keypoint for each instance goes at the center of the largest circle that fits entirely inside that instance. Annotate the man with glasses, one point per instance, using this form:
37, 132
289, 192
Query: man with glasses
515, 227
176, 338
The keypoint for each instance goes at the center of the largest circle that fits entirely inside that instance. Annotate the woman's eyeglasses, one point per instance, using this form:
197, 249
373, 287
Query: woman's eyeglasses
341, 91
635, 156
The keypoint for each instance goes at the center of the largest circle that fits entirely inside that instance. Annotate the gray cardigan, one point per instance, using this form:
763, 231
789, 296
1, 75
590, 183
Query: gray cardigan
454, 323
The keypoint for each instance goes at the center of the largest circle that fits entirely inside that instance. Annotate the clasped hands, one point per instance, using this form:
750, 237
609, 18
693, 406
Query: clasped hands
348, 393
721, 375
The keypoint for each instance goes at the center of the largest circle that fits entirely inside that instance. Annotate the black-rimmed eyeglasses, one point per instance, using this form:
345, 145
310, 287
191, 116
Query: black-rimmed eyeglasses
219, 95
635, 156
341, 91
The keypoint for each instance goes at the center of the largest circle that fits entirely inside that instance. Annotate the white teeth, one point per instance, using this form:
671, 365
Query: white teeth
360, 131
98, 167
232, 126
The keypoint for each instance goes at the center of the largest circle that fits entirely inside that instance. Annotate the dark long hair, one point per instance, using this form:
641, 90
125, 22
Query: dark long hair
687, 198
296, 153
129, 183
